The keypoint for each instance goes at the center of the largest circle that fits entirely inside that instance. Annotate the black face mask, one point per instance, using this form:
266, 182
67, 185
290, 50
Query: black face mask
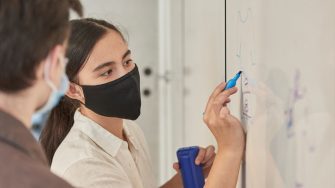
119, 98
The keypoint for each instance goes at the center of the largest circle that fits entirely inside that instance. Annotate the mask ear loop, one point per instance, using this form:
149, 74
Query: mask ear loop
77, 84
83, 94
47, 68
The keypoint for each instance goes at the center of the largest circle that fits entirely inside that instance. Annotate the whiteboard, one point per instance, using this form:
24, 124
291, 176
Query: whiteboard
286, 49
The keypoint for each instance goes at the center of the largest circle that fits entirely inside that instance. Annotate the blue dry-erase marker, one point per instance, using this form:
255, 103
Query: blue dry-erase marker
232, 82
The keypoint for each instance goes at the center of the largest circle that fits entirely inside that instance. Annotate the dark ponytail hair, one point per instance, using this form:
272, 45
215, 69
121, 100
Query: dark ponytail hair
85, 33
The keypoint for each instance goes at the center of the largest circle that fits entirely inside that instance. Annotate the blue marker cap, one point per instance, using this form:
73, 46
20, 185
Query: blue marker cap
232, 82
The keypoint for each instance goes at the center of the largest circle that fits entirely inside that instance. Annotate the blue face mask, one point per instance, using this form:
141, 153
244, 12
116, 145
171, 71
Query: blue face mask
55, 96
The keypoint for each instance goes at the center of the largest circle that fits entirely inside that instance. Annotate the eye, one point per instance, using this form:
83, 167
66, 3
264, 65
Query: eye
107, 73
128, 63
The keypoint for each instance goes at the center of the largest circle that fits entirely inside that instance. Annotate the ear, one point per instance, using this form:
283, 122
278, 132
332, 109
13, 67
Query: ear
54, 66
75, 92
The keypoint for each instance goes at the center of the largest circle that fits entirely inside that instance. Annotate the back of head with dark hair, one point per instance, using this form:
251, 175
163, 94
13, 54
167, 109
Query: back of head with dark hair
85, 33
29, 29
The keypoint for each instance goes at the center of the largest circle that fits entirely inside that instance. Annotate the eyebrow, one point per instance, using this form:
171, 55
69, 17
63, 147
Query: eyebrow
103, 65
128, 52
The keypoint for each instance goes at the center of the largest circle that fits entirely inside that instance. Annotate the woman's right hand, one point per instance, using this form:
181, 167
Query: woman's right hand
226, 129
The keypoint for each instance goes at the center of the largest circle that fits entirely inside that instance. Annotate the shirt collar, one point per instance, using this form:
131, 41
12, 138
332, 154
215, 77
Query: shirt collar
130, 135
106, 140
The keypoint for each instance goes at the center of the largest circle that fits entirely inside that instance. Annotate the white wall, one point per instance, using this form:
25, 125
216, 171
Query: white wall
192, 51
204, 63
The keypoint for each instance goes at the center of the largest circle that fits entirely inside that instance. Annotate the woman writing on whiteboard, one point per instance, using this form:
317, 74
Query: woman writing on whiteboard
90, 138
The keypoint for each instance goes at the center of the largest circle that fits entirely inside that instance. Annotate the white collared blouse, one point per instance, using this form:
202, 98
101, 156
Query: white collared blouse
92, 157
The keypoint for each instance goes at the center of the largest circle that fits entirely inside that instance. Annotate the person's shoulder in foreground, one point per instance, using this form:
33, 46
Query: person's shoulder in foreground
33, 35
22, 161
